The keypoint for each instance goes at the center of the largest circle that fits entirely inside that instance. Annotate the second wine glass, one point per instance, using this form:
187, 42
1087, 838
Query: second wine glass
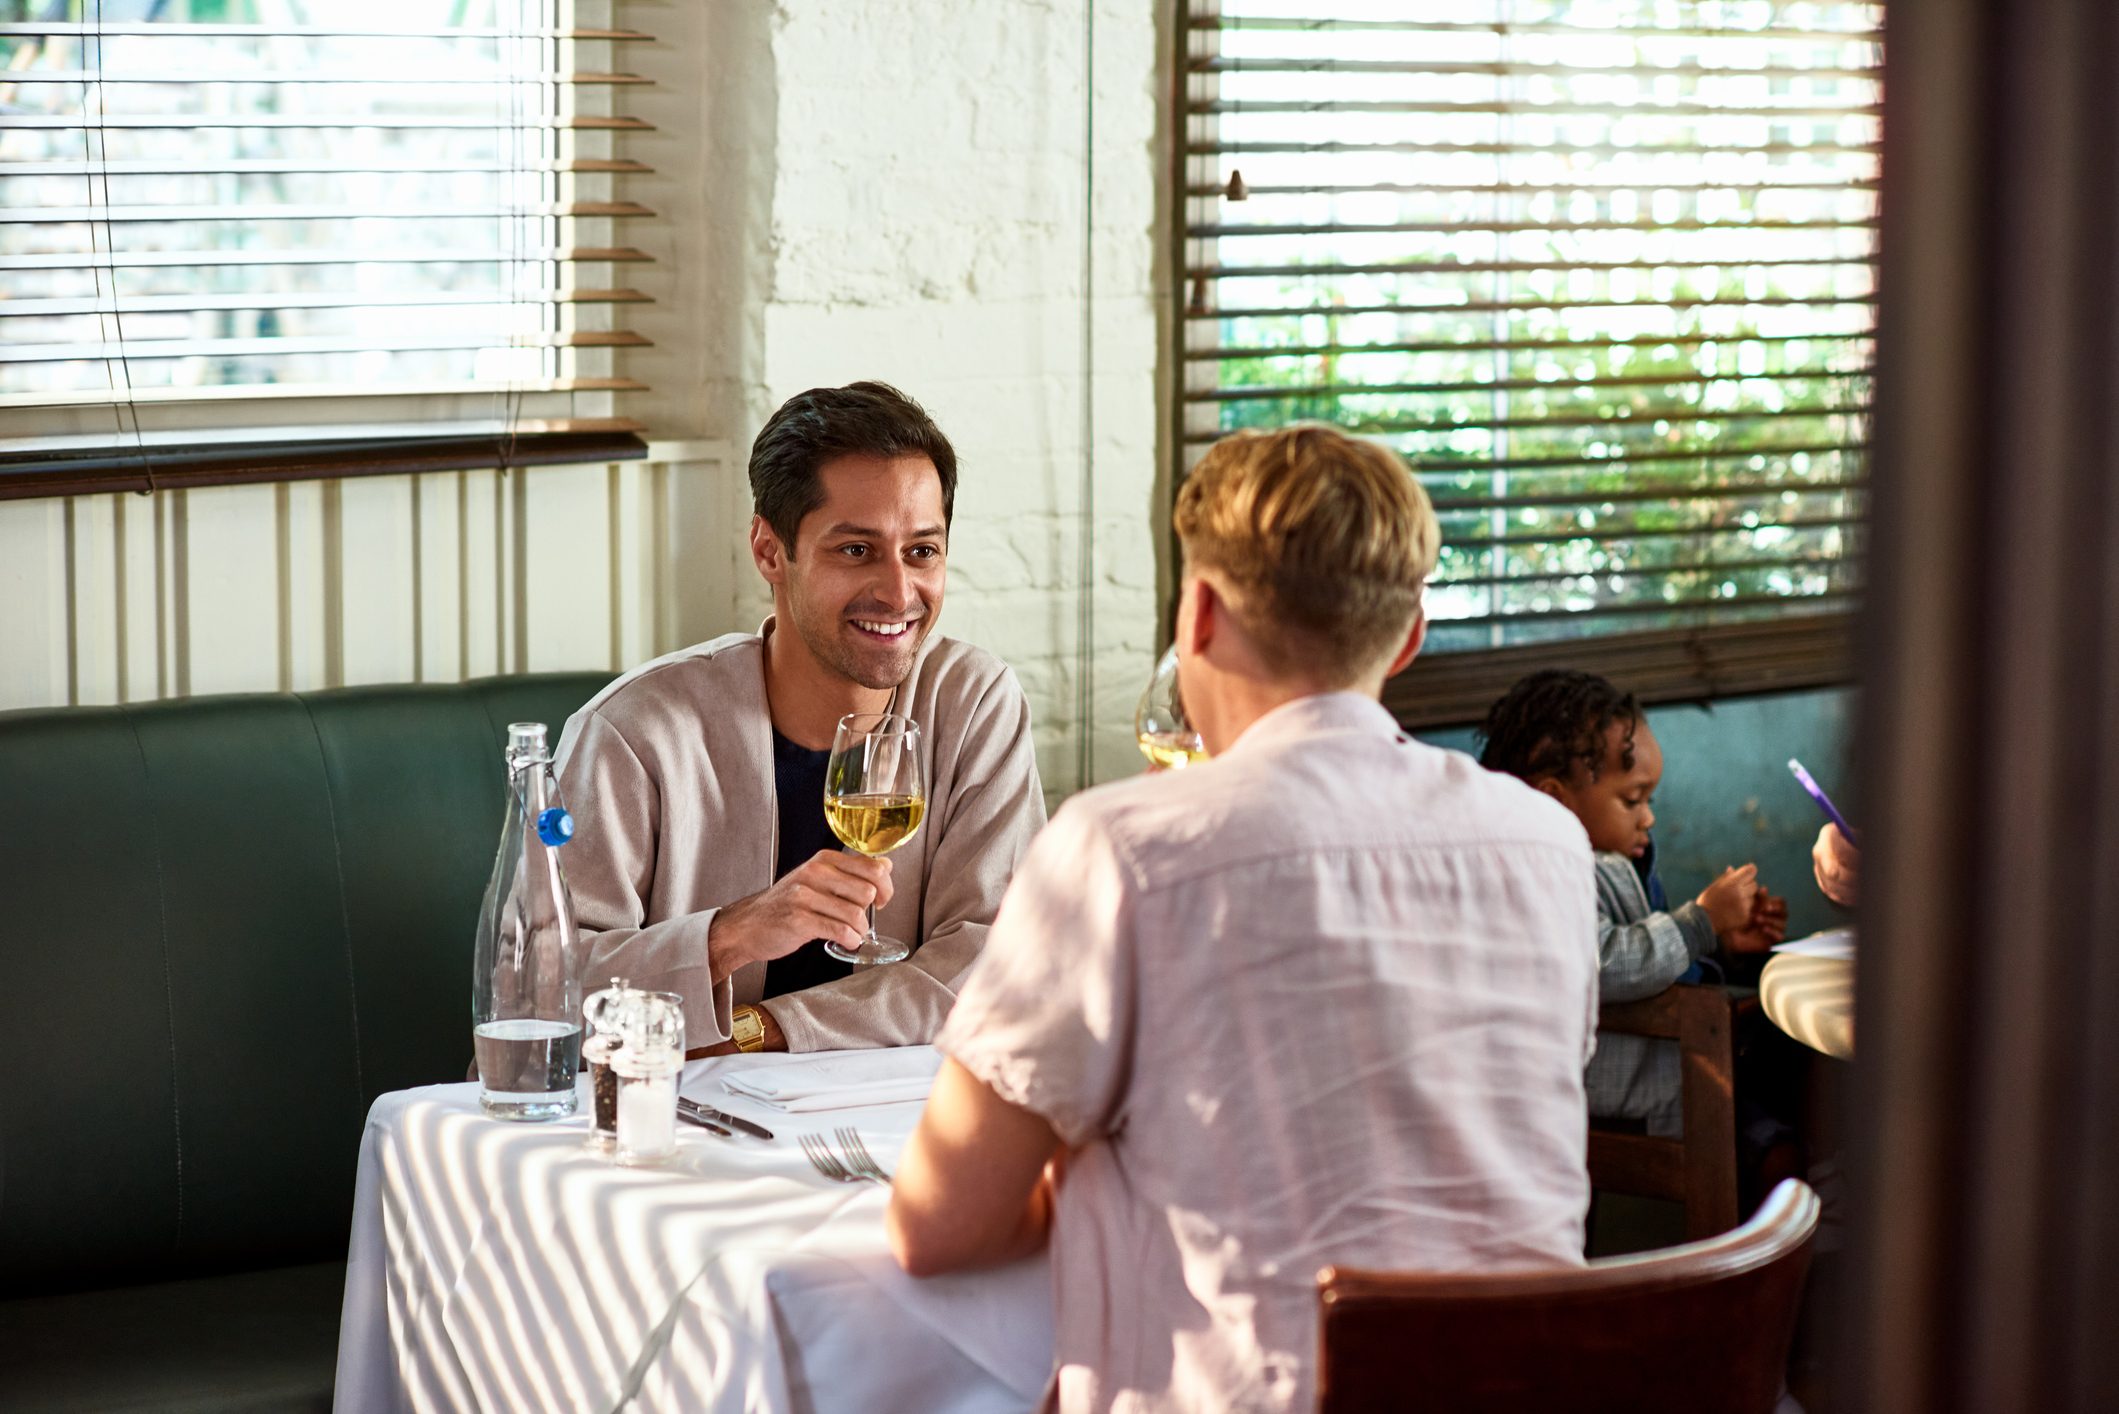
1165, 733
875, 796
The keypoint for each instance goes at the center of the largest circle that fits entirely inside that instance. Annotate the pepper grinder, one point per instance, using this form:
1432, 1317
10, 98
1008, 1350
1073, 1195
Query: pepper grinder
604, 1014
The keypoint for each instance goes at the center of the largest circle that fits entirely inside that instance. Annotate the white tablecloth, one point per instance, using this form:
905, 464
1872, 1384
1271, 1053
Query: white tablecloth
499, 1266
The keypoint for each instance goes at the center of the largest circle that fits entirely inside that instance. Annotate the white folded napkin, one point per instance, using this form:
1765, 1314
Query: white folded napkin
1833, 942
840, 1080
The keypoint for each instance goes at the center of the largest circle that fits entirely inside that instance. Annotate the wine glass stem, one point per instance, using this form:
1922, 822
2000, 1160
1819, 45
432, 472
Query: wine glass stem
871, 920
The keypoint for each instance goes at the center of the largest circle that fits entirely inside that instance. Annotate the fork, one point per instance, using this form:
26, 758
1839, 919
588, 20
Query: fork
824, 1161
858, 1157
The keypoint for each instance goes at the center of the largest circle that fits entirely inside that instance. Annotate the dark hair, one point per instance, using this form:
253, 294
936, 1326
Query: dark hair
812, 428
1554, 720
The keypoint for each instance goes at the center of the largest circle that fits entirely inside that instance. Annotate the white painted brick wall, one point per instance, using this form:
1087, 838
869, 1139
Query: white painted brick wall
896, 188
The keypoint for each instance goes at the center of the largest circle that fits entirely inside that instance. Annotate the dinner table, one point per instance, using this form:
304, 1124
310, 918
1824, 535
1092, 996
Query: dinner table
498, 1265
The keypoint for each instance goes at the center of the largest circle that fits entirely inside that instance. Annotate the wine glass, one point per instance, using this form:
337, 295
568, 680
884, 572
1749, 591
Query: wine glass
875, 797
1166, 735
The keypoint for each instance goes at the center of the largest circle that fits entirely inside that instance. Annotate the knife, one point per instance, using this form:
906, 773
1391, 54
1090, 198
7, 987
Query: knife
708, 1112
702, 1121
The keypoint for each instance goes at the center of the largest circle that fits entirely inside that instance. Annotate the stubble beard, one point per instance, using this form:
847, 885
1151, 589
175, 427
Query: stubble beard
879, 671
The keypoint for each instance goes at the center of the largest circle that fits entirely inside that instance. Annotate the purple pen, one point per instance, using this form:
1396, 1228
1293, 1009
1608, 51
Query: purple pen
1824, 802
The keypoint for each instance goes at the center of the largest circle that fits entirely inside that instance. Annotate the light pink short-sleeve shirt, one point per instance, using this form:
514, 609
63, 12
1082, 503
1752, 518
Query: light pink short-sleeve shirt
1325, 999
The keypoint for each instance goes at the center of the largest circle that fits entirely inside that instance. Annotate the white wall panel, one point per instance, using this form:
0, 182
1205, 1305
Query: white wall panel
631, 567
372, 579
375, 566
437, 623
305, 662
566, 540
96, 636
136, 562
33, 643
482, 593
234, 588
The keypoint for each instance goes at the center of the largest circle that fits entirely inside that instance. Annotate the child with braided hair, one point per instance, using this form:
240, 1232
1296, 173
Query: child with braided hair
1577, 738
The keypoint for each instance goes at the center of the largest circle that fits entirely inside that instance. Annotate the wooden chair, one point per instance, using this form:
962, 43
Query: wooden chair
1698, 1170
1698, 1329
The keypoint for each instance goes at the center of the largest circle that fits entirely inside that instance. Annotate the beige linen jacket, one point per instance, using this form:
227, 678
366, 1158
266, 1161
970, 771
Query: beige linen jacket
669, 775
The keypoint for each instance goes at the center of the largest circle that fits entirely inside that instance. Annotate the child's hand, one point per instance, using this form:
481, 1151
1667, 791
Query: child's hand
1728, 900
1767, 926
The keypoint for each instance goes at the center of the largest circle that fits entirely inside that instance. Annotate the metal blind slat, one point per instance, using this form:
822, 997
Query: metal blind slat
1237, 230
1503, 68
1635, 419
307, 76
1495, 149
1527, 189
125, 215
1687, 569
1516, 306
1502, 267
259, 122
1628, 534
1430, 466
1674, 494
266, 299
1244, 394
349, 391
1272, 351
1385, 105
68, 260
1225, 24
281, 165
1706, 604
227, 348
177, 29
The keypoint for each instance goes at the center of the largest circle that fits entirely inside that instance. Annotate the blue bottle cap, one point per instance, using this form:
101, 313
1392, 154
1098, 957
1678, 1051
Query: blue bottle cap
554, 826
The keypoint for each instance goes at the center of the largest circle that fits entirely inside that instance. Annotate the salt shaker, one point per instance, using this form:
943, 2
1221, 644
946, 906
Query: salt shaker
647, 1066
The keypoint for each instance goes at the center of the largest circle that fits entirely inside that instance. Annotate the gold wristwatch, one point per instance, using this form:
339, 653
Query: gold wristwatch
746, 1027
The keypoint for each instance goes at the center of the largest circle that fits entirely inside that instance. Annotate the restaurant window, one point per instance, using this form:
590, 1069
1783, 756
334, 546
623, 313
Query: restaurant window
1602, 271
259, 239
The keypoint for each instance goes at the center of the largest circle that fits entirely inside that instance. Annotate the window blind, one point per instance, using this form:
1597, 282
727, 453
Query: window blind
243, 236
1603, 271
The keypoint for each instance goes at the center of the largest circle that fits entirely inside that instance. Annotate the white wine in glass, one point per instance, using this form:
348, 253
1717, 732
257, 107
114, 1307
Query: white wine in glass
1165, 734
875, 798
875, 824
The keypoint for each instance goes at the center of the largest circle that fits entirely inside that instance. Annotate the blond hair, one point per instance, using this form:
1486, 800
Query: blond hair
1321, 540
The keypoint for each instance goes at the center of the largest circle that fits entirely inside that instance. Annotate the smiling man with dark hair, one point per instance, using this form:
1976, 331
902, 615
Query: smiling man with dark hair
703, 864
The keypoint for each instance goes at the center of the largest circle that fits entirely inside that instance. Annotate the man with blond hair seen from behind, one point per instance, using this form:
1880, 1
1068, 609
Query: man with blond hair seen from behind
1324, 999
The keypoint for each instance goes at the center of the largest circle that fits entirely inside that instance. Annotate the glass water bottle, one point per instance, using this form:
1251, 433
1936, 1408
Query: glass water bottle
525, 976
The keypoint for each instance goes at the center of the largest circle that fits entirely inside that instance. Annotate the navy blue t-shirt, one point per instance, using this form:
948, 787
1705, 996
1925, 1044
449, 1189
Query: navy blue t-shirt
798, 780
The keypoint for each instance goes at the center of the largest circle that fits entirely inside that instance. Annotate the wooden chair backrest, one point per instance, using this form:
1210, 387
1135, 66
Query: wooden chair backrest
1698, 1329
1698, 1170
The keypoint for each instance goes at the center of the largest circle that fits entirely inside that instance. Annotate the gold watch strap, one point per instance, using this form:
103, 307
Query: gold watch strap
746, 1027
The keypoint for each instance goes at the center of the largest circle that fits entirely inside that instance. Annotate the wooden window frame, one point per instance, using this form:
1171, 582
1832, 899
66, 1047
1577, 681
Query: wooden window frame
29, 474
